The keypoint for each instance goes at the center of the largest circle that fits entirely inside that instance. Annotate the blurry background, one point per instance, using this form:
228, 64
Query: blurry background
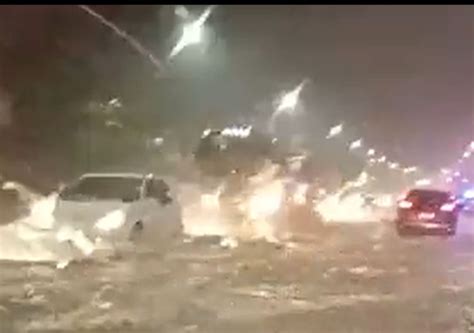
400, 76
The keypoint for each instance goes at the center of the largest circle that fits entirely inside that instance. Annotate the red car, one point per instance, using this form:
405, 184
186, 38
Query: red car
429, 210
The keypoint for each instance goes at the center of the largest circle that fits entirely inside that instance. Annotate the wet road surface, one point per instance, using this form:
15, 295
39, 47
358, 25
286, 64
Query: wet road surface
346, 278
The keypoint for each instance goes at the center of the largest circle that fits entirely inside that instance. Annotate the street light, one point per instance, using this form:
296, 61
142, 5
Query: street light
410, 170
355, 144
393, 165
334, 131
371, 152
192, 33
290, 99
445, 171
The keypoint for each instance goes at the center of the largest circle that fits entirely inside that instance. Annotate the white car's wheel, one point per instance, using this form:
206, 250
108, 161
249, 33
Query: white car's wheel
149, 236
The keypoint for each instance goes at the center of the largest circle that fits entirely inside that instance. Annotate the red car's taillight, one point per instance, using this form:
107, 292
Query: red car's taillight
405, 204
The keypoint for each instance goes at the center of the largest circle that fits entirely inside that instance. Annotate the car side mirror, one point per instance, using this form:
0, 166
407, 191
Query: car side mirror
162, 197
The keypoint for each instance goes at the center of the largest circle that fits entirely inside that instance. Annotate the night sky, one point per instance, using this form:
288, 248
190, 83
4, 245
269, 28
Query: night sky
400, 76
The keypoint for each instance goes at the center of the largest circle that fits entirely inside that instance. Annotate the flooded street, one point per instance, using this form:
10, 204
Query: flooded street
348, 278
230, 169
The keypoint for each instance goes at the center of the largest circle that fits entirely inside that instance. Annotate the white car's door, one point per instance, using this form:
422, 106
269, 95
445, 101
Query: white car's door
160, 211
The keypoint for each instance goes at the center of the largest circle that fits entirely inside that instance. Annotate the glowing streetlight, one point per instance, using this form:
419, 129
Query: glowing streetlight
334, 131
393, 165
290, 99
466, 154
371, 152
192, 33
382, 159
410, 170
471, 145
355, 144
115, 102
445, 171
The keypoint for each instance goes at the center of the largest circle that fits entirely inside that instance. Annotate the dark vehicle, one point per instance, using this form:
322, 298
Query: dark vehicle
428, 210
221, 152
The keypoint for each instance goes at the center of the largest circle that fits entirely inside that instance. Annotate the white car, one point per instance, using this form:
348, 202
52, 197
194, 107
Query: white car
123, 206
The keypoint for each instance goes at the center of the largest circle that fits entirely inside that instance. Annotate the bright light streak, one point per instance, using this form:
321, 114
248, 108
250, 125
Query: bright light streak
445, 171
158, 141
355, 144
423, 182
372, 161
466, 154
371, 152
382, 159
334, 131
410, 169
290, 99
449, 179
192, 33
134, 43
115, 102
457, 174
393, 165
242, 132
206, 132
471, 145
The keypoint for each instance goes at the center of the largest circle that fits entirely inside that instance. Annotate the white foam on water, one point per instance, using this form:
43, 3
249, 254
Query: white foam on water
201, 219
38, 238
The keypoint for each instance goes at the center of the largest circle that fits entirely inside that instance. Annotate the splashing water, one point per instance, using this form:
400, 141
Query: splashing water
38, 238
349, 209
31, 238
203, 215
133, 42
342, 208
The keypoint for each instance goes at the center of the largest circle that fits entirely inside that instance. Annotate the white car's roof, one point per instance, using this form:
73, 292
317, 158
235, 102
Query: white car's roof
115, 175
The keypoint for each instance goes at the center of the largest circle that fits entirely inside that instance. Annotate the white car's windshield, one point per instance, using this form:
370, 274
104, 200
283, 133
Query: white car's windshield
103, 188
